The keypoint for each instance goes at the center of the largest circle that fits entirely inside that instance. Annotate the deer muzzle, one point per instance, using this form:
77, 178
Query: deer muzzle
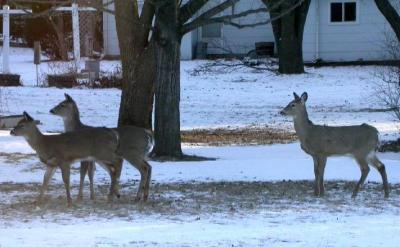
12, 132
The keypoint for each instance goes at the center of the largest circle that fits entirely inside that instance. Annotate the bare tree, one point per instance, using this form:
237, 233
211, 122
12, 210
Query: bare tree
288, 20
387, 86
391, 15
138, 61
149, 40
173, 20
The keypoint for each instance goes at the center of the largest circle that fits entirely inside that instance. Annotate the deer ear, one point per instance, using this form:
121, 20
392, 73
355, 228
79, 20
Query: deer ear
304, 97
67, 97
27, 117
296, 97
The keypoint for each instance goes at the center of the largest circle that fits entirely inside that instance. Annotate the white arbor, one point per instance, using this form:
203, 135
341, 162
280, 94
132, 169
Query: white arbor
6, 12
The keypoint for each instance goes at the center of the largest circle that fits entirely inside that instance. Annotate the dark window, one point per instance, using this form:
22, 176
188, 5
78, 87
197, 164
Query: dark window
350, 11
345, 11
212, 30
336, 12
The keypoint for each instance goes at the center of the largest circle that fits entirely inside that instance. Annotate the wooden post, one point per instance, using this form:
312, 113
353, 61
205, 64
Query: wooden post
36, 59
6, 12
6, 39
75, 31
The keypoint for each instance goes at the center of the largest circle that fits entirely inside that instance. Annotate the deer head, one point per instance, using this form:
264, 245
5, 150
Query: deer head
296, 106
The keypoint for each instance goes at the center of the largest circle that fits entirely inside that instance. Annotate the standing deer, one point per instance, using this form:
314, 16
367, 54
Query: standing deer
72, 122
97, 144
134, 144
321, 142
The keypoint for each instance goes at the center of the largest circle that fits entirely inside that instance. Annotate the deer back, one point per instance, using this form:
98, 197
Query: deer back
99, 144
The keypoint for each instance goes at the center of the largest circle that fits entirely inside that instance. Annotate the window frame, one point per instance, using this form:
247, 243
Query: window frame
343, 22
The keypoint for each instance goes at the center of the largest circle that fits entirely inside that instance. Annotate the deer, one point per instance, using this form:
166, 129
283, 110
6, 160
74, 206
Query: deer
61, 150
321, 142
72, 122
135, 144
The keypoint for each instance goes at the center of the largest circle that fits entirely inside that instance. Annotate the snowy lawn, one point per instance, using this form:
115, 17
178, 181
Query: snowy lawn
249, 196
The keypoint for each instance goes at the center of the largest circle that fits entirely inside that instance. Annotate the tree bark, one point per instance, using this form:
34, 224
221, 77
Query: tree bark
288, 32
138, 63
167, 93
58, 26
390, 14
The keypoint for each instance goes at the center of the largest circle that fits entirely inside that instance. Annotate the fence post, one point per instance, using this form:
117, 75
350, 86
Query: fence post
75, 31
6, 39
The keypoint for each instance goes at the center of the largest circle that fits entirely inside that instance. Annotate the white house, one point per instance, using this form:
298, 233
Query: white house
335, 30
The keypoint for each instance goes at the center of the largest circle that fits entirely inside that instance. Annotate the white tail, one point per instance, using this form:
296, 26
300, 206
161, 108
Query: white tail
322, 141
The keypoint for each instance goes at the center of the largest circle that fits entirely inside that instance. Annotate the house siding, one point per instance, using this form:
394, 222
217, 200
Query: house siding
363, 40
110, 37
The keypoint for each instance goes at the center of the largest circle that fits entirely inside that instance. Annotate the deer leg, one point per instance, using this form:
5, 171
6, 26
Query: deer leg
321, 171
65, 171
148, 180
46, 180
109, 167
117, 176
91, 169
115, 172
382, 170
316, 174
364, 173
145, 173
83, 171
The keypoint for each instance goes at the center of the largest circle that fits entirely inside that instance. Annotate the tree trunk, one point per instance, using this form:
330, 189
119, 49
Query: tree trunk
136, 104
288, 32
390, 14
167, 93
58, 25
138, 62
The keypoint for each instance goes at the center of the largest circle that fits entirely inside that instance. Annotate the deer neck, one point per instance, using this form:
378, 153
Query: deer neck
35, 138
302, 124
73, 122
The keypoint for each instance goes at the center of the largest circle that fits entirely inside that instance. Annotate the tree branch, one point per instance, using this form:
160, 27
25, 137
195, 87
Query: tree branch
198, 22
228, 19
391, 15
189, 9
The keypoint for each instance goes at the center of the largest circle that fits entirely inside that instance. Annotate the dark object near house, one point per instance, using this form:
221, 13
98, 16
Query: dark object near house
9, 80
265, 48
9, 122
92, 67
201, 50
37, 50
62, 81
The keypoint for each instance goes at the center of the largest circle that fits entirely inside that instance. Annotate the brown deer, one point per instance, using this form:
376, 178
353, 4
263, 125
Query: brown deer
134, 144
97, 144
322, 141
72, 122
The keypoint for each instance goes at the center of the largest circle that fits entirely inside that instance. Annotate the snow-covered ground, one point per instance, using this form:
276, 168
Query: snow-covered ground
248, 196
337, 95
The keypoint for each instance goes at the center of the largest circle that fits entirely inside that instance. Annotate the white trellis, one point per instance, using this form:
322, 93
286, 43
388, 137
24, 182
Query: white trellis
6, 12
74, 9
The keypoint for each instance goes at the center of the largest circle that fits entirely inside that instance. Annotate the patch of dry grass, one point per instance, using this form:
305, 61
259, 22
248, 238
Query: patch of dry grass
238, 136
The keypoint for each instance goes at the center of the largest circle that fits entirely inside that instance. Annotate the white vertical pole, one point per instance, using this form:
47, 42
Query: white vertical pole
6, 39
75, 31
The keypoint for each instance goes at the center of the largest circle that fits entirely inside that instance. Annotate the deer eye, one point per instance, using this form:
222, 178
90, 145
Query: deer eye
292, 105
